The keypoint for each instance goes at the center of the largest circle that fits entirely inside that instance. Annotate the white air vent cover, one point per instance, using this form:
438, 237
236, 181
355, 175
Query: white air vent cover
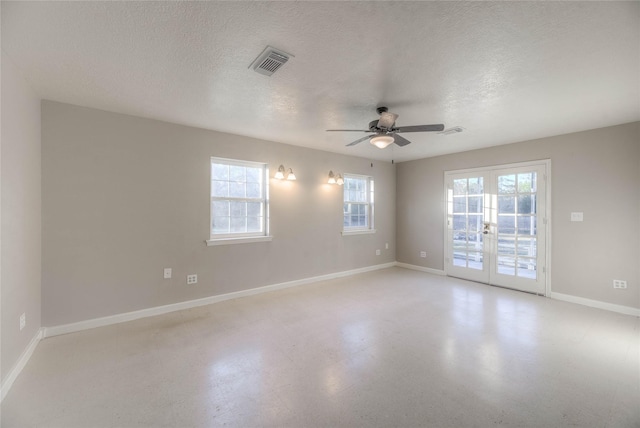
270, 60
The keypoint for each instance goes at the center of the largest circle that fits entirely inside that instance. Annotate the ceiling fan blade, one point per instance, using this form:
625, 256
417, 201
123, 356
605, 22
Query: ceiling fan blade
401, 141
387, 120
360, 140
348, 130
420, 128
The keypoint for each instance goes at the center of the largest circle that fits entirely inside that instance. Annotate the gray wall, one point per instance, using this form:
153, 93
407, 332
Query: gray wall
124, 197
596, 172
20, 225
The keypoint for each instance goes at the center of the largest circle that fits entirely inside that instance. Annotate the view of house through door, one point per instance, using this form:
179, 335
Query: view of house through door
496, 225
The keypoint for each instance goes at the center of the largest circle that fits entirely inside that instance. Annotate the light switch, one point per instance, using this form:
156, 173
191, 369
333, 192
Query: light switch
577, 216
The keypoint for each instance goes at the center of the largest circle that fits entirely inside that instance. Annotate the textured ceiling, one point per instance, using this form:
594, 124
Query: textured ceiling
505, 71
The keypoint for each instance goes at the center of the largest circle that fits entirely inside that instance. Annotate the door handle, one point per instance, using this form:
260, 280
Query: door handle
487, 228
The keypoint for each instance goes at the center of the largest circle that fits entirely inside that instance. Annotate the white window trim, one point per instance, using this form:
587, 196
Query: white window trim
241, 238
370, 204
358, 232
245, 240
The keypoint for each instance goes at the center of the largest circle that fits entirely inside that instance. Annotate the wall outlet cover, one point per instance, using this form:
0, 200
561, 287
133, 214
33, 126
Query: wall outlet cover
23, 321
577, 216
619, 283
192, 279
167, 273
423, 254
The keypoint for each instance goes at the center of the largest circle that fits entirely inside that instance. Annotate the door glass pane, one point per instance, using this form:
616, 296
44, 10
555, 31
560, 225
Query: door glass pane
475, 260
527, 247
506, 224
507, 183
526, 204
527, 182
460, 258
460, 186
460, 222
476, 186
459, 204
506, 204
526, 225
506, 265
507, 246
475, 223
459, 241
475, 204
475, 241
527, 268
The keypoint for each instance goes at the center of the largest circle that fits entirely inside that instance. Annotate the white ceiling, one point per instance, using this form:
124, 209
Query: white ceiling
505, 71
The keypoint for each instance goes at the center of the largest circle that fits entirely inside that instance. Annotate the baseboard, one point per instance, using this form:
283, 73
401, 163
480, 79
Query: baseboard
421, 268
19, 365
627, 310
159, 310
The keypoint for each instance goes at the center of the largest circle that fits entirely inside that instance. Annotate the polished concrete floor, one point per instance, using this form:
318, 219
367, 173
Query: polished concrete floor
392, 348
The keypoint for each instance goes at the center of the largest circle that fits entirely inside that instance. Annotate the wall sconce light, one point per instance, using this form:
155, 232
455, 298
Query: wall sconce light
279, 175
291, 176
335, 180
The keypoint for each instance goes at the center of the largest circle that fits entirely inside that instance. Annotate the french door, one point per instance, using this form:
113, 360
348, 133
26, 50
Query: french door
497, 226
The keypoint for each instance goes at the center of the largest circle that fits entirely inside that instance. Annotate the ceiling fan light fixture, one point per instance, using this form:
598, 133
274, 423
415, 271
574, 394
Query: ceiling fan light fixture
382, 141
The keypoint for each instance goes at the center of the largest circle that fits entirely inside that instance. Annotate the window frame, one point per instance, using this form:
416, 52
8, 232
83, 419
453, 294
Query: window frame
370, 204
239, 237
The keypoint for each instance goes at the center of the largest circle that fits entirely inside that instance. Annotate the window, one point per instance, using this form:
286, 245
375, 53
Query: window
358, 204
239, 200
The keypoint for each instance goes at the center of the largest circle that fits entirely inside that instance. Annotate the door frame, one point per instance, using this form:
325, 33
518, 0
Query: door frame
490, 168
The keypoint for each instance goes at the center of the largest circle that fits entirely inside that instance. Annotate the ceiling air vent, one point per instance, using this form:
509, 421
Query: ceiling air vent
270, 60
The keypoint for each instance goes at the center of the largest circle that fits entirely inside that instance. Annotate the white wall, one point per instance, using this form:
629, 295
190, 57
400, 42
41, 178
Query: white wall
124, 197
596, 172
21, 214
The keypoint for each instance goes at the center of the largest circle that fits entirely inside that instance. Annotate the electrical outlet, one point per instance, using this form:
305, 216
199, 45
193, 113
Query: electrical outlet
23, 321
377, 252
192, 279
167, 273
619, 283
423, 254
386, 246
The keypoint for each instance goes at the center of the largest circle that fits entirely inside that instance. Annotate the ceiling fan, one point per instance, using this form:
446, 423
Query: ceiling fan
384, 131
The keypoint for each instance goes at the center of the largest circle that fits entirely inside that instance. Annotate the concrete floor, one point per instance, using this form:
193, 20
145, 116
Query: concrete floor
387, 348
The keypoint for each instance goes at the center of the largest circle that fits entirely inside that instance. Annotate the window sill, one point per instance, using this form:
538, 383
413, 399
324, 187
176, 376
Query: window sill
358, 232
230, 241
